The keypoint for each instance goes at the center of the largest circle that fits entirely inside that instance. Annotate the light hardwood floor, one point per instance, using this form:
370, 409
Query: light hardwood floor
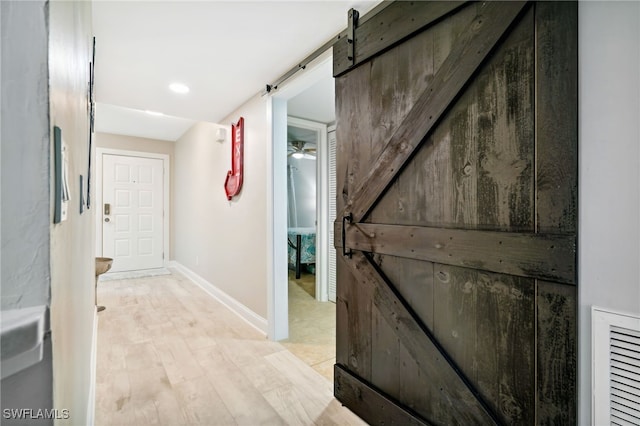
169, 354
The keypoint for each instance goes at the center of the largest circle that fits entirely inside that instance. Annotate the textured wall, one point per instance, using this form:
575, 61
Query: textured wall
25, 276
25, 155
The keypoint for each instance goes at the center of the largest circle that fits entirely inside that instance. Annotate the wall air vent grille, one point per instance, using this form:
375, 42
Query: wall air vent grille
625, 376
616, 368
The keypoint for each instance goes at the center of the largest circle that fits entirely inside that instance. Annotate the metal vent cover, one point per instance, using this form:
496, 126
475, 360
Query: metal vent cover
624, 378
616, 368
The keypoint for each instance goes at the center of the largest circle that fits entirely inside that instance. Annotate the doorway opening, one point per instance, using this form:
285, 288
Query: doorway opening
302, 318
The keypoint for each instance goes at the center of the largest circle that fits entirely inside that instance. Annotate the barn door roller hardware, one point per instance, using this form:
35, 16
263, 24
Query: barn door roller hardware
351, 35
354, 21
346, 218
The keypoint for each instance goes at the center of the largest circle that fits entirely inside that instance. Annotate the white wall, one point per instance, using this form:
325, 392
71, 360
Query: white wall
609, 150
72, 242
224, 241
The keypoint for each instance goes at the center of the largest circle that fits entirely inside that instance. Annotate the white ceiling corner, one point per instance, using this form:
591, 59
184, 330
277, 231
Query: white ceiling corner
225, 51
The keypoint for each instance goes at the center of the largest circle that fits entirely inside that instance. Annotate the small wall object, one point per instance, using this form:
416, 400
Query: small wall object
91, 113
61, 177
233, 182
82, 202
221, 134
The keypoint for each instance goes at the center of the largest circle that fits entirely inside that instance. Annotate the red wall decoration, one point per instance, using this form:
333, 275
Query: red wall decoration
233, 182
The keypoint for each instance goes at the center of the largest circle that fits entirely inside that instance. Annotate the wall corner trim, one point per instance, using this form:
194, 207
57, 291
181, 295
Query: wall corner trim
91, 401
246, 314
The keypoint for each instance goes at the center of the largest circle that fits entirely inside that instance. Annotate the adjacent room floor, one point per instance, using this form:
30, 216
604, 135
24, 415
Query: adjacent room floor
312, 326
170, 354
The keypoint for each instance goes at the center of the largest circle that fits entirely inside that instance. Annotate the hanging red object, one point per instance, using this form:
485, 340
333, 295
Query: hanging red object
233, 182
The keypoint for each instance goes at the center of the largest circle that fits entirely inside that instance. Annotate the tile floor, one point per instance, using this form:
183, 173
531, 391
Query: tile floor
169, 354
312, 326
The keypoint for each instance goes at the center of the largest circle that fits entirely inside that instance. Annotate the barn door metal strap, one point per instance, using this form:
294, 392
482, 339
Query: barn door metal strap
478, 40
351, 35
401, 19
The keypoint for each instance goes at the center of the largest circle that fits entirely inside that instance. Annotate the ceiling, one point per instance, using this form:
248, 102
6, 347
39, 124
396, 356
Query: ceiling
225, 51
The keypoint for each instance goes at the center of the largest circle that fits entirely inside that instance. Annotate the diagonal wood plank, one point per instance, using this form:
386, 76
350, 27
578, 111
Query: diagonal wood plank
541, 256
363, 399
455, 388
477, 41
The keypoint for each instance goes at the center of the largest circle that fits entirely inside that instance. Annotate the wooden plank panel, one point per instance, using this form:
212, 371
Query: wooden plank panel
353, 334
477, 41
413, 280
557, 116
419, 68
557, 346
369, 403
343, 281
456, 315
397, 79
521, 254
353, 131
385, 351
504, 165
485, 322
353, 135
415, 197
393, 24
416, 391
456, 398
477, 168
506, 345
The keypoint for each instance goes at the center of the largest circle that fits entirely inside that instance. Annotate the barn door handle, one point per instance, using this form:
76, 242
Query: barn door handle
346, 218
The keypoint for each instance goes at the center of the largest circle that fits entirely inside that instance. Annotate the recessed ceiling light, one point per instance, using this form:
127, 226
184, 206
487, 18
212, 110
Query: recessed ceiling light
156, 113
179, 88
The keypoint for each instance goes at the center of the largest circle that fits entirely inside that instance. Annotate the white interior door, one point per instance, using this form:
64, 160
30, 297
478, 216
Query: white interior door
132, 212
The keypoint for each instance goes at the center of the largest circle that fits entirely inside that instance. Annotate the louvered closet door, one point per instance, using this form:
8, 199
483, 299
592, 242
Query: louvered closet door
457, 188
331, 142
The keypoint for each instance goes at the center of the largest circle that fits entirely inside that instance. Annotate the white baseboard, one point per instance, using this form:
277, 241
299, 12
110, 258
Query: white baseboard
91, 403
250, 317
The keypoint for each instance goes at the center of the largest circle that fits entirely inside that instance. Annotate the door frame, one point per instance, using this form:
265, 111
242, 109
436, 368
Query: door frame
166, 163
322, 204
277, 274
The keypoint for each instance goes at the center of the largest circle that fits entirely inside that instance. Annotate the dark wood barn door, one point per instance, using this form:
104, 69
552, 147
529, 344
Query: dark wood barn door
457, 205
